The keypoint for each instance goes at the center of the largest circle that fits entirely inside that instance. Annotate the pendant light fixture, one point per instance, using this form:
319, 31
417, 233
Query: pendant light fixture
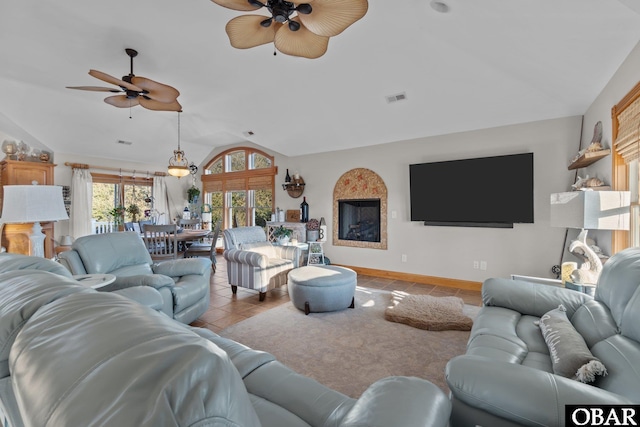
178, 164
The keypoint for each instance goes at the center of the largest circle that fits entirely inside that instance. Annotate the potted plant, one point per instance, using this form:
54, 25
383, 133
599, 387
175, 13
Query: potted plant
117, 214
282, 234
192, 194
134, 211
313, 230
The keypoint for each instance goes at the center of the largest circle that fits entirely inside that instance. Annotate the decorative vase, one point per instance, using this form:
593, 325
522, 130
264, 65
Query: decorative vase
313, 235
304, 210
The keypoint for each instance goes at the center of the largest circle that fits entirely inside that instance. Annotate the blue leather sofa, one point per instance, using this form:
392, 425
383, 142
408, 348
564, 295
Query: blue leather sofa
183, 283
506, 377
78, 357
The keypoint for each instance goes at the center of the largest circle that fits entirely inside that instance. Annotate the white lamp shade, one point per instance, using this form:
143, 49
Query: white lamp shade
33, 203
591, 210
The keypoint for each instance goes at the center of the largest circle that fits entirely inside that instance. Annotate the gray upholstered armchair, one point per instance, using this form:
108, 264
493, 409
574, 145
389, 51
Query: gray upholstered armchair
254, 263
183, 283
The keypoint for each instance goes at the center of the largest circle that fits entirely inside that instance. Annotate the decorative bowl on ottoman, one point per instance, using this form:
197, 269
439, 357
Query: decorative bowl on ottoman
319, 288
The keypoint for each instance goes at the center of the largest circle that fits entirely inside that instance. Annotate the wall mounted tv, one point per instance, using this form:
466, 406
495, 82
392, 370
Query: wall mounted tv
480, 192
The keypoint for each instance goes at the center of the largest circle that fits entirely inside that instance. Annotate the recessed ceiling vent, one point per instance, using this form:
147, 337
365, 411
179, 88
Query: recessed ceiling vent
124, 142
397, 97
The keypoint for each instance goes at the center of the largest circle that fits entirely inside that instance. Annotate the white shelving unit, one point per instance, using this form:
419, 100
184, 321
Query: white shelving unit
316, 253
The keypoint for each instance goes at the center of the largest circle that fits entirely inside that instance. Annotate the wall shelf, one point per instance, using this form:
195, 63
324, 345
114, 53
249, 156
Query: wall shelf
295, 188
588, 158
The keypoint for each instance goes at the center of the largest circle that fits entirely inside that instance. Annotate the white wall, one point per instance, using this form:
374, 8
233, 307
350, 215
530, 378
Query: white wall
530, 249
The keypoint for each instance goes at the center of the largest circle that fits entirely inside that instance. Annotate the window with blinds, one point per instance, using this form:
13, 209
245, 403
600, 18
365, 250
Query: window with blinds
241, 182
625, 117
627, 142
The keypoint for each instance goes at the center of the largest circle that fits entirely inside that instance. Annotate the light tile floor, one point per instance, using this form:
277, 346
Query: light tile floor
225, 309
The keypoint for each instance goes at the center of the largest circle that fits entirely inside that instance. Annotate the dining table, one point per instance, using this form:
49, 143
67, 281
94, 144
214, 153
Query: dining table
192, 235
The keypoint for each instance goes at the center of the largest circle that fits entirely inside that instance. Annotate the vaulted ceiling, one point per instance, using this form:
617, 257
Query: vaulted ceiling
485, 63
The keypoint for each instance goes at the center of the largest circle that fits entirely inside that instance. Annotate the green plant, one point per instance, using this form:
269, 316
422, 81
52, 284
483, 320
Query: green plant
193, 193
282, 231
134, 211
313, 224
117, 214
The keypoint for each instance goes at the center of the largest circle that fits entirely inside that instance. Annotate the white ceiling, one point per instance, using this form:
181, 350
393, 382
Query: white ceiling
485, 63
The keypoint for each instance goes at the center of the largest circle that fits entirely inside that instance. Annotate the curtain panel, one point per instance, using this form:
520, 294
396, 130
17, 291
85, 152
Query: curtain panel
81, 203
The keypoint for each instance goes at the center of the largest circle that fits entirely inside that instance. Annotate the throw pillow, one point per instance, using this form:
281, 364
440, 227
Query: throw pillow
569, 353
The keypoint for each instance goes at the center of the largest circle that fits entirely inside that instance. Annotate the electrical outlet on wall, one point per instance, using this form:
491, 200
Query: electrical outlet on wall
404, 258
483, 265
476, 265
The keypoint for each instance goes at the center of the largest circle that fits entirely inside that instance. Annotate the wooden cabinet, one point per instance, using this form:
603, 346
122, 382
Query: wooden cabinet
15, 237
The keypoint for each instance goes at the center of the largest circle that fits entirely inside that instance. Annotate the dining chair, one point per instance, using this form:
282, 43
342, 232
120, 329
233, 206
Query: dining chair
128, 226
206, 249
160, 241
141, 224
190, 224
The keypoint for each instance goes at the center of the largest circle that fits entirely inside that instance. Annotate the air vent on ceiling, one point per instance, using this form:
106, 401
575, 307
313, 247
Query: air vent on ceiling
397, 97
124, 142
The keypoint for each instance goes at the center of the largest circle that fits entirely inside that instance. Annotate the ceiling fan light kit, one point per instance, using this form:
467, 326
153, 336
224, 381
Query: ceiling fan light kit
178, 164
135, 90
296, 29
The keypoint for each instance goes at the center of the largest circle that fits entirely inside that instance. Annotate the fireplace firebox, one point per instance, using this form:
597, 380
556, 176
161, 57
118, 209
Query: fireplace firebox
359, 220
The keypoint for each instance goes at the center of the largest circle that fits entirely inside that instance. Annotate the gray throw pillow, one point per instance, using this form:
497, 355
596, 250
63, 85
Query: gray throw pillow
569, 353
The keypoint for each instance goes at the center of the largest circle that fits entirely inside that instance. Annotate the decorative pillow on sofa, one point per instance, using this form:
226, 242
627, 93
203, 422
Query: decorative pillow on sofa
570, 355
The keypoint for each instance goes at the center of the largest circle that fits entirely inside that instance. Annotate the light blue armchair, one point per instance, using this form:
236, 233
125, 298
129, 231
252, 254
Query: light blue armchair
183, 283
255, 263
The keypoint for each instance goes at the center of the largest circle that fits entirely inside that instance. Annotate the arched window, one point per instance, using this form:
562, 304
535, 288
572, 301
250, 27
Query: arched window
239, 186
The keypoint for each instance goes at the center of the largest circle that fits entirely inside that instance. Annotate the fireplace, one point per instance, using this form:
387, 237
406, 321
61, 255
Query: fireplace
360, 210
359, 220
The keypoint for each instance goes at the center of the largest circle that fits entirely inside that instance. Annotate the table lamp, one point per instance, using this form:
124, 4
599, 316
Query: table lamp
590, 210
36, 204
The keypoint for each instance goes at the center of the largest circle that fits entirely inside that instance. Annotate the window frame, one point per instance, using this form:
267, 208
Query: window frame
122, 182
246, 180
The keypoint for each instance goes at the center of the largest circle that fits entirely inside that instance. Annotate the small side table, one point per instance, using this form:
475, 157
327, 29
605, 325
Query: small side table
95, 281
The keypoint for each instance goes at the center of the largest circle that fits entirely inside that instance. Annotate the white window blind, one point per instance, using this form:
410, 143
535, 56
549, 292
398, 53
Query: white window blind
627, 143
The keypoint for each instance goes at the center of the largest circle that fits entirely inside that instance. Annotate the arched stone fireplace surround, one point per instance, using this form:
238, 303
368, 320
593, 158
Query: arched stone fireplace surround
364, 185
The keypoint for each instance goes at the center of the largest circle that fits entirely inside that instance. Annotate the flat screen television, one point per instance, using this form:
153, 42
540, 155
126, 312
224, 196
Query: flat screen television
480, 192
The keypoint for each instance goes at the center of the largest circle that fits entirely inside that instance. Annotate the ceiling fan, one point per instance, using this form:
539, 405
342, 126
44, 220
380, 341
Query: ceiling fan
297, 29
135, 90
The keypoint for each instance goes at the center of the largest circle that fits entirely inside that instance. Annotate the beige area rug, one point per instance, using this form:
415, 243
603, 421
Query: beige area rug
349, 350
428, 312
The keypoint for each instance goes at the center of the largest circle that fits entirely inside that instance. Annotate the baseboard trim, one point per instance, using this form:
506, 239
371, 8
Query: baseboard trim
417, 278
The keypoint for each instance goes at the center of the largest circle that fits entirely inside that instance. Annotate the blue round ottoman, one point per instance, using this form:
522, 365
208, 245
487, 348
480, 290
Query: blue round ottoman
318, 288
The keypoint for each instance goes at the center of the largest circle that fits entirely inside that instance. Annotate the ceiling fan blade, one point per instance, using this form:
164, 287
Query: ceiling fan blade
156, 91
242, 5
110, 79
300, 43
246, 32
331, 17
152, 104
95, 88
121, 101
